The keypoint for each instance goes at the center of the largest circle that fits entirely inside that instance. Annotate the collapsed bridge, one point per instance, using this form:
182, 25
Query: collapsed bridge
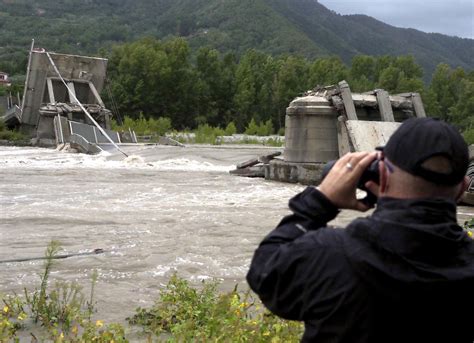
328, 122
61, 103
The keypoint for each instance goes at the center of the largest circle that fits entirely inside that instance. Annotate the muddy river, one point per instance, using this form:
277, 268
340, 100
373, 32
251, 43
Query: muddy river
169, 210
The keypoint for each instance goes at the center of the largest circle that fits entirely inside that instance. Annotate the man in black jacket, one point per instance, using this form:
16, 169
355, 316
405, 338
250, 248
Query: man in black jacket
403, 274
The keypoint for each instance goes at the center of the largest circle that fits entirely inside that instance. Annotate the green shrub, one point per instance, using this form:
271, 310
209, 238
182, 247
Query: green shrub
261, 129
12, 136
143, 126
266, 129
206, 134
230, 129
469, 136
188, 314
252, 128
160, 126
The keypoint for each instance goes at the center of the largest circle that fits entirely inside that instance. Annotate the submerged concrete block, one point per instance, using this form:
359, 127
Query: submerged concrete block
304, 173
82, 145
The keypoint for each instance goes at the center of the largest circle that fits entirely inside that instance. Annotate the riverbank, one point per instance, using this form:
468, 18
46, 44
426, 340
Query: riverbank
181, 313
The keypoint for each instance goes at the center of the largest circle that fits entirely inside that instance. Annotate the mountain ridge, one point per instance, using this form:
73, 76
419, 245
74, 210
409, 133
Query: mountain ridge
303, 27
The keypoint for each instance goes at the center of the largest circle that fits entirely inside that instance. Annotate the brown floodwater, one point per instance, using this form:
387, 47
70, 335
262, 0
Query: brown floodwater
167, 210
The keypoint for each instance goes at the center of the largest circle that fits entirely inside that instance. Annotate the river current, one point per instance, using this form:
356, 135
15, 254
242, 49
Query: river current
160, 211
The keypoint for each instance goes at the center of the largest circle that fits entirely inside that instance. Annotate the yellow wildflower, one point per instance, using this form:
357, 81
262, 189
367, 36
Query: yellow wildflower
243, 305
5, 309
470, 234
235, 300
61, 335
22, 316
74, 330
99, 323
266, 333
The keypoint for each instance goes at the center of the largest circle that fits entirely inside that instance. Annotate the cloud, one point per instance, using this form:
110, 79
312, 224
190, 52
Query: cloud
451, 17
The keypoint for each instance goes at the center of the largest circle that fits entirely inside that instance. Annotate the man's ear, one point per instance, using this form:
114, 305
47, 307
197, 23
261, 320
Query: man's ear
463, 187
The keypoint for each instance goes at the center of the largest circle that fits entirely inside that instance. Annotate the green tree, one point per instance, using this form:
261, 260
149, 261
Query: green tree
327, 71
292, 78
209, 71
444, 90
401, 75
462, 113
225, 94
155, 78
408, 66
362, 73
254, 79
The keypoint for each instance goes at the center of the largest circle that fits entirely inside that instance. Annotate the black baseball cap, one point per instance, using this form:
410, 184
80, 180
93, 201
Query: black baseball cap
419, 139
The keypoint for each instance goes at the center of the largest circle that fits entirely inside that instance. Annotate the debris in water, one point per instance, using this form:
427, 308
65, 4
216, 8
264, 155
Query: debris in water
134, 159
254, 167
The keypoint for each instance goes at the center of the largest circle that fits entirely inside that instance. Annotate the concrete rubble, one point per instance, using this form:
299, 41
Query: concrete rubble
256, 167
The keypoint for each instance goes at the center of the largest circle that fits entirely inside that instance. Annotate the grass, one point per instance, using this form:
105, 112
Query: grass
181, 313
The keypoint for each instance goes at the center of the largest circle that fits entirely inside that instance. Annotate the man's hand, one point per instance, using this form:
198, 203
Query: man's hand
340, 185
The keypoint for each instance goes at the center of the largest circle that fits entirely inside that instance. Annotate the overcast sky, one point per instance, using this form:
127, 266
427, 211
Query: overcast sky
450, 17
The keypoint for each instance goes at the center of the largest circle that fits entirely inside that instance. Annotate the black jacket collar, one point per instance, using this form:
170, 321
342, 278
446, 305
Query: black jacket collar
423, 211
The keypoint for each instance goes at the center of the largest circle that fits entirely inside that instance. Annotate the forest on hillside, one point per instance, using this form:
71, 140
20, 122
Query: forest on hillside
160, 79
275, 27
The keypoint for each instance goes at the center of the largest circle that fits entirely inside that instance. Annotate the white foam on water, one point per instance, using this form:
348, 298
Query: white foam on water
184, 164
161, 270
201, 278
38, 158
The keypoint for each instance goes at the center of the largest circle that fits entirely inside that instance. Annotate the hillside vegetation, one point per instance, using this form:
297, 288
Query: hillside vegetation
302, 27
